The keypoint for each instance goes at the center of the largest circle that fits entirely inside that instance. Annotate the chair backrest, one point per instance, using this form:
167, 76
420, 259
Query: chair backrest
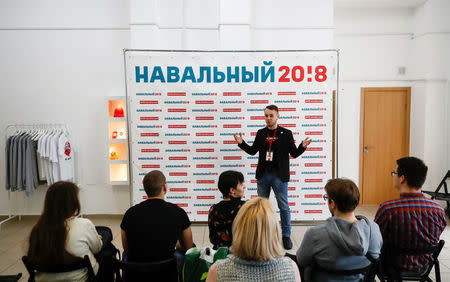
368, 272
10, 278
434, 250
165, 270
82, 263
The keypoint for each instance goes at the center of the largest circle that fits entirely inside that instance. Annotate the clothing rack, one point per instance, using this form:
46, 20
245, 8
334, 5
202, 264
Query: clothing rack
19, 128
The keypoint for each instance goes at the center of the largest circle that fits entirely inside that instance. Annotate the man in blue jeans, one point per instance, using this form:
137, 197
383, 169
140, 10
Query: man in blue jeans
274, 144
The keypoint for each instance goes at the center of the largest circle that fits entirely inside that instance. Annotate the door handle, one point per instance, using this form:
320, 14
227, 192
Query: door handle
368, 147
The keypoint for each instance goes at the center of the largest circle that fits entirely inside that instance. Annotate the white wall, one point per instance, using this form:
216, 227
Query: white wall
373, 44
61, 59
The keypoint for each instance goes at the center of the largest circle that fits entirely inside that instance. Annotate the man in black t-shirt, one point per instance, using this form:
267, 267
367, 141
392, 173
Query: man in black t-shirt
152, 229
274, 144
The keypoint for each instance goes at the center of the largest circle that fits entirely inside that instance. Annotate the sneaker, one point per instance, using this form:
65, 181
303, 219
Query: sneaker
287, 243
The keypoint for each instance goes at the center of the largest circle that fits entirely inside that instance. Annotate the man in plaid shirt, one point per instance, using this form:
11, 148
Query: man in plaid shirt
412, 221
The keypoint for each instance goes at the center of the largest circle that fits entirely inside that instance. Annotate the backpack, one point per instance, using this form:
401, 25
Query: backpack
197, 262
105, 257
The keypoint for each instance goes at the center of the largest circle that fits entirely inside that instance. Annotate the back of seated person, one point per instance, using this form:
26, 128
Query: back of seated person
151, 229
413, 221
60, 237
222, 214
257, 251
343, 242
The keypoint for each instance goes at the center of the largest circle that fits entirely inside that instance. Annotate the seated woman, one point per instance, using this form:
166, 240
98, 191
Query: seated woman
257, 251
60, 237
222, 214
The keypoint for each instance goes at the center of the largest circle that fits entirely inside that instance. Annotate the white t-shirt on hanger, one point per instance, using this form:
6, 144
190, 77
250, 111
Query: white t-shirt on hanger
65, 157
43, 150
53, 157
47, 158
41, 167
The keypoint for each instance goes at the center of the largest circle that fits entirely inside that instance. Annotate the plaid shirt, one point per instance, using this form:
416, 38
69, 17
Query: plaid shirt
412, 222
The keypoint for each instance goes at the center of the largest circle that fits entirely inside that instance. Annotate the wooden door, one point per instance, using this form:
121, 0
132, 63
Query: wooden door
384, 138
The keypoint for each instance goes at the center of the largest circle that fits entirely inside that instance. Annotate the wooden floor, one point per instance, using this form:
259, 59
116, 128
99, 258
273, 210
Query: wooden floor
14, 235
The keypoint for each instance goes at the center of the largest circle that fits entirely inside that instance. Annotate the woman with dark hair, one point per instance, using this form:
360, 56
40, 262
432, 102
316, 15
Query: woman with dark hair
60, 237
222, 214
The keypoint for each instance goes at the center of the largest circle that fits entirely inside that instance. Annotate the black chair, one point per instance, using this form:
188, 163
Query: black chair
165, 270
393, 273
368, 272
442, 195
10, 278
82, 263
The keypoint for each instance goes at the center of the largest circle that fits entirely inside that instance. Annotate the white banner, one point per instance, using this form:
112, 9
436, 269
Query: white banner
184, 107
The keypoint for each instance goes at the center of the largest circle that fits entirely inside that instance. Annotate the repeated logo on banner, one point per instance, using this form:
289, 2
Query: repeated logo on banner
184, 108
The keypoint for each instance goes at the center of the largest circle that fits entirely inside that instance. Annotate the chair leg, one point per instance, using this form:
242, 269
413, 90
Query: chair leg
437, 270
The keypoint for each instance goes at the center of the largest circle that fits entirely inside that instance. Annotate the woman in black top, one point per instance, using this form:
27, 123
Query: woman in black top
222, 214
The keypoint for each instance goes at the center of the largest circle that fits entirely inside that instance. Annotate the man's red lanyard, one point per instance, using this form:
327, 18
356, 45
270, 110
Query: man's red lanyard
271, 140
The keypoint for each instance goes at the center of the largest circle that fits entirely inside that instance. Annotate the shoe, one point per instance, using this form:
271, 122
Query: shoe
287, 243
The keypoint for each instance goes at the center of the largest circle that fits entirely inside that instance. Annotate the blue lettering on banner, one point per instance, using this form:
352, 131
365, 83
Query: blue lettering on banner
175, 197
201, 110
257, 93
175, 181
201, 142
229, 117
201, 94
145, 94
310, 93
229, 165
310, 157
202, 189
310, 188
208, 74
157, 74
202, 205
308, 125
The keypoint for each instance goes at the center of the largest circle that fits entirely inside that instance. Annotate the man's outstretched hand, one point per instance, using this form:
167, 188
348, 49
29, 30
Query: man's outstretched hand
305, 143
238, 138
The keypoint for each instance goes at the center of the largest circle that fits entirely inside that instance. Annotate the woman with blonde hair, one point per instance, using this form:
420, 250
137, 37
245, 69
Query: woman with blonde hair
257, 251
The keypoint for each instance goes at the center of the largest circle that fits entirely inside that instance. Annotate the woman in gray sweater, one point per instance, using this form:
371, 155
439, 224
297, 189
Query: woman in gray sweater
257, 251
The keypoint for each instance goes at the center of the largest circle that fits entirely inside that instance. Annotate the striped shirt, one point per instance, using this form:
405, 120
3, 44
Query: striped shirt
411, 222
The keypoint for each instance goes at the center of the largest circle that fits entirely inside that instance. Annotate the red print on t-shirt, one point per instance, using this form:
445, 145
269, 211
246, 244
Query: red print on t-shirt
67, 148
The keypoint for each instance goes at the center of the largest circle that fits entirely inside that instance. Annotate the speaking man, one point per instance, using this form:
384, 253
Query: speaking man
274, 144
